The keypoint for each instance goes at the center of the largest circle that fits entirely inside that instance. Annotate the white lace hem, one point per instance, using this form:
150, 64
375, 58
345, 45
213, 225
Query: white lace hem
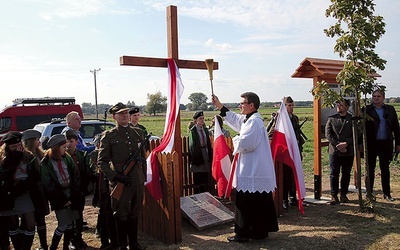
254, 184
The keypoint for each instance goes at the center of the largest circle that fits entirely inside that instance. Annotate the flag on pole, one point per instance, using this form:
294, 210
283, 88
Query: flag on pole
221, 165
232, 176
285, 149
175, 90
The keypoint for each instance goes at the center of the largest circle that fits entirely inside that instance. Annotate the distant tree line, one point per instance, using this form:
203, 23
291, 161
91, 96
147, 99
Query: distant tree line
157, 103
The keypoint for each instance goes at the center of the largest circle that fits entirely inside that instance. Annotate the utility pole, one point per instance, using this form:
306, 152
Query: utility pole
95, 90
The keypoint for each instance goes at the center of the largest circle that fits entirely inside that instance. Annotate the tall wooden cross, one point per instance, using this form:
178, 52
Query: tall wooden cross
172, 40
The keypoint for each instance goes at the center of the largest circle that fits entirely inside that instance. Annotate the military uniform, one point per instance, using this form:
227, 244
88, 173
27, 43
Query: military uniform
116, 147
135, 110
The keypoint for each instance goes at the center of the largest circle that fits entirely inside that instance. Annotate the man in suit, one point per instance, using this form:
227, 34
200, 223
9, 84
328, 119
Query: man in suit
382, 127
339, 133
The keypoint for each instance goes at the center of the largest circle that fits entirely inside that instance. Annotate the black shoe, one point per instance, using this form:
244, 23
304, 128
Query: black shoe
388, 197
334, 200
285, 204
344, 198
236, 238
294, 202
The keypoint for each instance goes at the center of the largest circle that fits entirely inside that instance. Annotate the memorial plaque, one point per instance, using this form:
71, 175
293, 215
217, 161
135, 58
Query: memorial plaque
204, 211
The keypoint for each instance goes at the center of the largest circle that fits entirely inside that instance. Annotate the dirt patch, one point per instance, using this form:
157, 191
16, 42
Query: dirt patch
320, 227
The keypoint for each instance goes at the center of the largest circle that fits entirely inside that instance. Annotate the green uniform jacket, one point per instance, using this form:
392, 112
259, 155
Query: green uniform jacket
116, 147
147, 146
52, 188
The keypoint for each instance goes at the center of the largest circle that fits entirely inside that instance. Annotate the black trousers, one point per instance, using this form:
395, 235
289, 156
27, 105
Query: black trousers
383, 150
339, 164
255, 215
289, 185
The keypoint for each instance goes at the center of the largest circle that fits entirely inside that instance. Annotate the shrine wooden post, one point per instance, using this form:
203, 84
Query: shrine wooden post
172, 41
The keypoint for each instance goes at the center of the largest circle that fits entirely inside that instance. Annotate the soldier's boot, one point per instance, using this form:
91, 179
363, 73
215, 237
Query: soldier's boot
133, 234
122, 233
112, 231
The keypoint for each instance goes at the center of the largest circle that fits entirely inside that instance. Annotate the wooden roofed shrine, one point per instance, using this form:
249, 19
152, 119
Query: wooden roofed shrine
319, 70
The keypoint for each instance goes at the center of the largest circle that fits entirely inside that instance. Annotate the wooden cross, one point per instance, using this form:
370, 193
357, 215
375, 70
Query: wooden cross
172, 40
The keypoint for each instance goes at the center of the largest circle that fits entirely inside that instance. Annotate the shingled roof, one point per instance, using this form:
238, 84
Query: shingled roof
324, 69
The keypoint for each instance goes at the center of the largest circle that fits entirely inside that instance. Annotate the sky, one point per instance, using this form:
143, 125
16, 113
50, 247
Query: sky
49, 47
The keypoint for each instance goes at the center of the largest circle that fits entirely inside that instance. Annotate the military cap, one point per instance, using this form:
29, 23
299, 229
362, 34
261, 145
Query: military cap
197, 114
31, 134
119, 107
71, 134
133, 110
12, 137
56, 140
287, 99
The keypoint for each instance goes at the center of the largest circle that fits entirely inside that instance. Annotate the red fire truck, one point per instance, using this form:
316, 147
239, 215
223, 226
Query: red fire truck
25, 113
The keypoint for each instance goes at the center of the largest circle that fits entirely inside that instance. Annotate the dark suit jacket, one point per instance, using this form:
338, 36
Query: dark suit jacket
338, 130
372, 124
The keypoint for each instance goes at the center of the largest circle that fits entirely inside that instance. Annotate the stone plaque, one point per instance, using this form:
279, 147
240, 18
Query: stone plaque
204, 211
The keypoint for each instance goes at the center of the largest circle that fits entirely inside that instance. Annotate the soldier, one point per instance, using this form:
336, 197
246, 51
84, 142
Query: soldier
116, 147
134, 114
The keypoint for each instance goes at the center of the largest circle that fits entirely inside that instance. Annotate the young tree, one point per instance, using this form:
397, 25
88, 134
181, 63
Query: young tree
157, 103
357, 30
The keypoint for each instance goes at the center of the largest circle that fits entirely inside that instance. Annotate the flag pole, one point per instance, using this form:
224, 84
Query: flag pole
210, 67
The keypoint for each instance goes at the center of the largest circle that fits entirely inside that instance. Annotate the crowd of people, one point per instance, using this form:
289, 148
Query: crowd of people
59, 173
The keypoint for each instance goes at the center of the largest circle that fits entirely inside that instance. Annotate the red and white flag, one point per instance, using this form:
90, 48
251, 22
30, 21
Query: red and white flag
175, 90
285, 149
221, 165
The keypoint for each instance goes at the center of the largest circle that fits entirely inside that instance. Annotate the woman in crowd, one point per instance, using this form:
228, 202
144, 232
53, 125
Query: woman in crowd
61, 184
31, 142
18, 179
